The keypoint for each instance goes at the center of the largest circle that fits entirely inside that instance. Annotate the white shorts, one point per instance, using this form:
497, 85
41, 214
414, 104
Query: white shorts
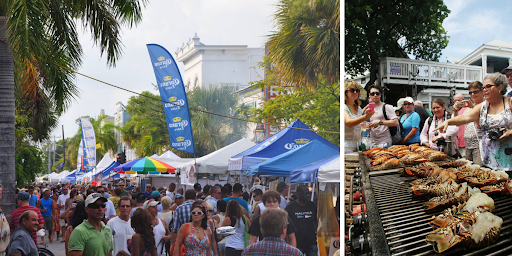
62, 222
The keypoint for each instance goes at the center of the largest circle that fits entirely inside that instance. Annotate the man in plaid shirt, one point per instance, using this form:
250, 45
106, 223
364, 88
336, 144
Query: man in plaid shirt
273, 224
182, 213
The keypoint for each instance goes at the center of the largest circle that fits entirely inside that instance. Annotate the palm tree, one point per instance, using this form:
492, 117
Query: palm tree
306, 45
105, 133
39, 47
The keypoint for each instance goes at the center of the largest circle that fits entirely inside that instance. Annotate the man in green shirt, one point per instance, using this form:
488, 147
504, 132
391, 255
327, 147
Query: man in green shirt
92, 237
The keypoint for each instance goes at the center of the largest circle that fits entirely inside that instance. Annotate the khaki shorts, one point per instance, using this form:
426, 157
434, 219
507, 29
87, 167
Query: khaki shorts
62, 222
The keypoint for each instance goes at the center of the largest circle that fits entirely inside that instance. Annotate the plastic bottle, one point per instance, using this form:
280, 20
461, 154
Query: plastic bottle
328, 226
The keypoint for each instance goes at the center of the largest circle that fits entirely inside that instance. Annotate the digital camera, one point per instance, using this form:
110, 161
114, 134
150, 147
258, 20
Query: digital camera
495, 133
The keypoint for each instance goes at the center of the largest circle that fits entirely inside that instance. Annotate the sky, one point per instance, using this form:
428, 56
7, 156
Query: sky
472, 23
169, 23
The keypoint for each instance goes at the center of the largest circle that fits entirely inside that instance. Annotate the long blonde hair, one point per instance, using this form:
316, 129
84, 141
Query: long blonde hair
352, 84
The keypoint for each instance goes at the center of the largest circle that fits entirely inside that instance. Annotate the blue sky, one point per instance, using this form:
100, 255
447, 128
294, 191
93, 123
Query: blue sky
472, 23
169, 23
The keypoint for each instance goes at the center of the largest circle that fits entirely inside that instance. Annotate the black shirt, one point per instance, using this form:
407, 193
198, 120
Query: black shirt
256, 231
303, 217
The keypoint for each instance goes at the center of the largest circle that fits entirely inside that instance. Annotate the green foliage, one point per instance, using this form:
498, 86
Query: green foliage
146, 131
105, 134
319, 109
29, 159
306, 46
375, 29
43, 39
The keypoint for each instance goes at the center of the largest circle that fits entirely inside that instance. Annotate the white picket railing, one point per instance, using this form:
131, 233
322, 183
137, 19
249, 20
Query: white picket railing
429, 73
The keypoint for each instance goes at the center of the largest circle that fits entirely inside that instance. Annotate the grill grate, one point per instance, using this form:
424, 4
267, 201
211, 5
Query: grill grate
405, 224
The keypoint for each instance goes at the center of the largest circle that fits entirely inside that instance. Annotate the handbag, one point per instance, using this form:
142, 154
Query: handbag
247, 236
183, 248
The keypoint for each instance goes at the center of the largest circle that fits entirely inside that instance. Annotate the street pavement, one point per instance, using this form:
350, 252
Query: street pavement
57, 248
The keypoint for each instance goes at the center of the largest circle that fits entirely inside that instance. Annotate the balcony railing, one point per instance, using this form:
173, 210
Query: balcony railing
429, 73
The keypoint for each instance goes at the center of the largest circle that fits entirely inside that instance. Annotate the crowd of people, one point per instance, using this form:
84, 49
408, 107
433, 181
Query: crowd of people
119, 220
478, 129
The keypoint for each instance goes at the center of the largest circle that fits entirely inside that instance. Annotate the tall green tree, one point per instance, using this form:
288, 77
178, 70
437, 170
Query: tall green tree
146, 131
375, 29
38, 37
320, 110
105, 133
306, 44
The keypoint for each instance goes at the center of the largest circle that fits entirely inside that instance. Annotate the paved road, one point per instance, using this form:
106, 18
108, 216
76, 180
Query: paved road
57, 248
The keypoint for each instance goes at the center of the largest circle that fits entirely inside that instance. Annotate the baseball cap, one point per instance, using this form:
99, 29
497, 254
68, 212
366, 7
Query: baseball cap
197, 186
409, 99
154, 194
400, 103
129, 187
282, 184
92, 198
178, 196
505, 69
23, 196
150, 203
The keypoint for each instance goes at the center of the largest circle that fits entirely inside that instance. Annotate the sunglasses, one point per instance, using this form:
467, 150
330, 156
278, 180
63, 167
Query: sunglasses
508, 75
101, 191
474, 92
489, 86
125, 206
197, 213
96, 206
354, 90
374, 93
148, 187
209, 210
407, 104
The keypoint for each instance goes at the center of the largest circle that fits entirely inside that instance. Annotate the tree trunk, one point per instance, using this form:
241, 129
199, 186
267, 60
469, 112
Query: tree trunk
7, 150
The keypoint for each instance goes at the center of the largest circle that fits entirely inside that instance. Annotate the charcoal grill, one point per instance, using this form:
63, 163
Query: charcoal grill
398, 225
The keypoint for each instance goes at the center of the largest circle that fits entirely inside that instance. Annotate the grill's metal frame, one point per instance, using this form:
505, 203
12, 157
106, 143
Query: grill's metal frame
410, 223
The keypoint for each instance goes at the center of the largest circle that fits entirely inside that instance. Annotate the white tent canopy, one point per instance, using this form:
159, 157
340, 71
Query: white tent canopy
105, 162
217, 162
59, 177
169, 154
154, 156
330, 172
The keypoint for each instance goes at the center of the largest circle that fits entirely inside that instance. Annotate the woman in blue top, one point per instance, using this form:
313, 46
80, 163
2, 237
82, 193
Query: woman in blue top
46, 205
410, 122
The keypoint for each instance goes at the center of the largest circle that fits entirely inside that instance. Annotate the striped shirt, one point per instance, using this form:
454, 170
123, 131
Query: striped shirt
181, 215
271, 246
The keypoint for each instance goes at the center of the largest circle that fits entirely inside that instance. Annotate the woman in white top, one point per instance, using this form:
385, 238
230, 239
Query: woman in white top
162, 233
235, 244
166, 214
354, 116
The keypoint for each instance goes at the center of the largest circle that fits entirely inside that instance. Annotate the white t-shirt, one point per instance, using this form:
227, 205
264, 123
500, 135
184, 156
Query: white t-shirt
120, 229
170, 194
111, 210
62, 200
380, 134
283, 203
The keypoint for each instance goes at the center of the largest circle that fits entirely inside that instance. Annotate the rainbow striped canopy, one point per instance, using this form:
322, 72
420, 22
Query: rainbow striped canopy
145, 165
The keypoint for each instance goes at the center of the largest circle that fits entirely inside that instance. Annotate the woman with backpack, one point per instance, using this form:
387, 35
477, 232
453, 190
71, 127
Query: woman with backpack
235, 244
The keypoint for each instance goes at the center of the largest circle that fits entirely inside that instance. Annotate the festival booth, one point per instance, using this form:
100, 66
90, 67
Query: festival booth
170, 155
215, 163
310, 173
293, 136
283, 164
60, 177
51, 175
105, 169
71, 177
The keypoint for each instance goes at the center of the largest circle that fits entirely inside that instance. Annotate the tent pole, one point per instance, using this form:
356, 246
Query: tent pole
313, 193
289, 190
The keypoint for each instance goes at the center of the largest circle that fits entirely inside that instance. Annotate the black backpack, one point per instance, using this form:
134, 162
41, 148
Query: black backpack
395, 132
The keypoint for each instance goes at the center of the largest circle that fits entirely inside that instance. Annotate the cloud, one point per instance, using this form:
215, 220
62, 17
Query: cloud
168, 23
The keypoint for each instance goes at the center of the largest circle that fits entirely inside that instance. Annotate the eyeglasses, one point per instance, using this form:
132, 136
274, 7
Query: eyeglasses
354, 90
121, 185
125, 206
489, 86
474, 92
407, 104
374, 93
96, 206
197, 213
209, 210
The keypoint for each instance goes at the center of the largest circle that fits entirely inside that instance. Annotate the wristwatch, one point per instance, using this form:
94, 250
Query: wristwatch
380, 122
